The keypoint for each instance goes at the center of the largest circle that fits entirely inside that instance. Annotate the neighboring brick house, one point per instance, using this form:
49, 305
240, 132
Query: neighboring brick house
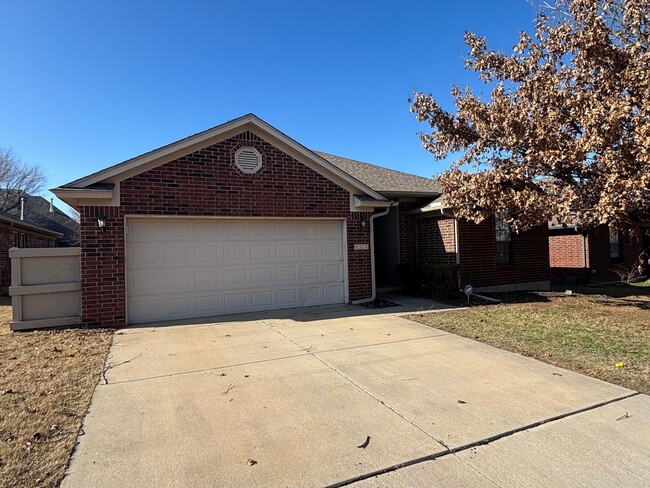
31, 222
578, 257
242, 218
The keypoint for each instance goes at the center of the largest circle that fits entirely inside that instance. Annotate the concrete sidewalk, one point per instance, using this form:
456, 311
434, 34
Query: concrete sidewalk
298, 392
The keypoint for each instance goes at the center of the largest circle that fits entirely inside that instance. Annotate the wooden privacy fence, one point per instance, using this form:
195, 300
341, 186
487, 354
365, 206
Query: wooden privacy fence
45, 287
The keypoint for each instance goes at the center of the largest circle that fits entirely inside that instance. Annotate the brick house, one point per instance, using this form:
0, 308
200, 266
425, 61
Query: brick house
241, 218
578, 257
31, 222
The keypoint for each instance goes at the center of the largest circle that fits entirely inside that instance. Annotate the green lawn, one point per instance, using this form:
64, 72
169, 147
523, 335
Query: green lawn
602, 336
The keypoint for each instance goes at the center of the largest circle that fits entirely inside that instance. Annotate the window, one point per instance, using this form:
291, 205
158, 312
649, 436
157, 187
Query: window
503, 238
615, 251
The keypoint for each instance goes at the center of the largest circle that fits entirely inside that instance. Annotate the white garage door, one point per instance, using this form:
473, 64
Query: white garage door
182, 268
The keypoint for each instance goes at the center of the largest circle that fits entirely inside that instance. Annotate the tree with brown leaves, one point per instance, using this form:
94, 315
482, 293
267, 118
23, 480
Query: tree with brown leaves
566, 130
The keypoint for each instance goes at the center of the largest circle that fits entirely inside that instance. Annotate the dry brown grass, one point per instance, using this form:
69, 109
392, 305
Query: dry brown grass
46, 381
587, 334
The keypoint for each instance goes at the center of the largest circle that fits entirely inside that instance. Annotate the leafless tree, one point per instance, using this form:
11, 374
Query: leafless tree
18, 179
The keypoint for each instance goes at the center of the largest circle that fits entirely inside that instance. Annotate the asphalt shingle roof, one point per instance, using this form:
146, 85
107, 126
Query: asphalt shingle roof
383, 180
37, 212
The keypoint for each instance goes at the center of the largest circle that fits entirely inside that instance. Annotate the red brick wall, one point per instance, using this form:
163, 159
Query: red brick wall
601, 264
598, 265
407, 233
436, 240
530, 255
567, 251
206, 183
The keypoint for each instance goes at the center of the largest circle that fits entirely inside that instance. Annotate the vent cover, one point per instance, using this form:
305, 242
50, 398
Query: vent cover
248, 160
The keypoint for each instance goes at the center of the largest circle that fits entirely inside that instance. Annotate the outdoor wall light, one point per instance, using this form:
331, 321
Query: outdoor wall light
101, 222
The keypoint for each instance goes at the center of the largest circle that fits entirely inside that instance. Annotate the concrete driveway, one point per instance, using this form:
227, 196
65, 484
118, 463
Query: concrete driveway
297, 393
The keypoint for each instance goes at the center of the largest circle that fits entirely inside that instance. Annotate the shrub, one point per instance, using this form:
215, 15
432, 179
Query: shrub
429, 280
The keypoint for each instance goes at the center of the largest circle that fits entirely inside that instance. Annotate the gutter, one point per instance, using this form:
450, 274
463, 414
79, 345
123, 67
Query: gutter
372, 256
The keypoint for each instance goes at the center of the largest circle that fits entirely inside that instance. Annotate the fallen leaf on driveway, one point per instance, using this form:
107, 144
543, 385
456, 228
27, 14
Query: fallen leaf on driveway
365, 444
462, 401
251, 462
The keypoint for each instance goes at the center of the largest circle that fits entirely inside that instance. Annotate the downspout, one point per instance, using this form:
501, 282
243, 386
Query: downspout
372, 256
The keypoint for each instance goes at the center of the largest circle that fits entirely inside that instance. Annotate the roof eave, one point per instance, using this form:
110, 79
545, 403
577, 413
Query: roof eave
22, 223
185, 146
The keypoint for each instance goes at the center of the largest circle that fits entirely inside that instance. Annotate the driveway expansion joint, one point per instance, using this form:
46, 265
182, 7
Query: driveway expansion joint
309, 350
482, 442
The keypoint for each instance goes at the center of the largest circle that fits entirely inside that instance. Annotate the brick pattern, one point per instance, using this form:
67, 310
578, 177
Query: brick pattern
530, 255
567, 251
598, 265
408, 233
207, 183
436, 240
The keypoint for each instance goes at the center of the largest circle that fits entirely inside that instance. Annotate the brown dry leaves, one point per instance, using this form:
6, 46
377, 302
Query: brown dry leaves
46, 382
566, 131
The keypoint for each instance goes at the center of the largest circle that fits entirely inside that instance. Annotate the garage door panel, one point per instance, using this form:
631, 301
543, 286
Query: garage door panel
147, 282
143, 255
311, 295
332, 250
261, 276
262, 299
234, 230
235, 302
209, 305
178, 305
177, 254
191, 268
285, 251
261, 252
285, 274
178, 280
234, 277
308, 250
206, 229
288, 298
333, 293
309, 272
233, 253
208, 254
331, 229
333, 272
209, 279
175, 229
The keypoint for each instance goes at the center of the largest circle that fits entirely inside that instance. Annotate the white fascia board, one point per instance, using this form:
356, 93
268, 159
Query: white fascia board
86, 196
368, 206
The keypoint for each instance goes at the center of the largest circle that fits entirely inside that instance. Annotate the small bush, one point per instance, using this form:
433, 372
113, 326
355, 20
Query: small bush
429, 280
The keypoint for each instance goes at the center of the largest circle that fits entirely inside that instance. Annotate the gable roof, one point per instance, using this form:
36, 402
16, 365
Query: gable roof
37, 212
87, 187
383, 180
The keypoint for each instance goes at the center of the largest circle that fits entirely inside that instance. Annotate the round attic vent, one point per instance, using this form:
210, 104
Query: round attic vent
248, 160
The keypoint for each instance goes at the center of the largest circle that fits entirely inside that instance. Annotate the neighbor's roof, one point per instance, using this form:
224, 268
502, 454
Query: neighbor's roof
37, 213
384, 180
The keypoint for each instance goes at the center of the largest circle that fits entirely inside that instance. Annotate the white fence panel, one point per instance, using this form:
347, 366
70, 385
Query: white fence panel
45, 287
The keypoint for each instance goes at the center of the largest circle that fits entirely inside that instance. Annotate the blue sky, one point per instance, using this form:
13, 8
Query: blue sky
87, 84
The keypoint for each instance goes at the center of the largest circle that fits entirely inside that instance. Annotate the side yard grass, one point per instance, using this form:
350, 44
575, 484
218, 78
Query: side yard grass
47, 379
607, 337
